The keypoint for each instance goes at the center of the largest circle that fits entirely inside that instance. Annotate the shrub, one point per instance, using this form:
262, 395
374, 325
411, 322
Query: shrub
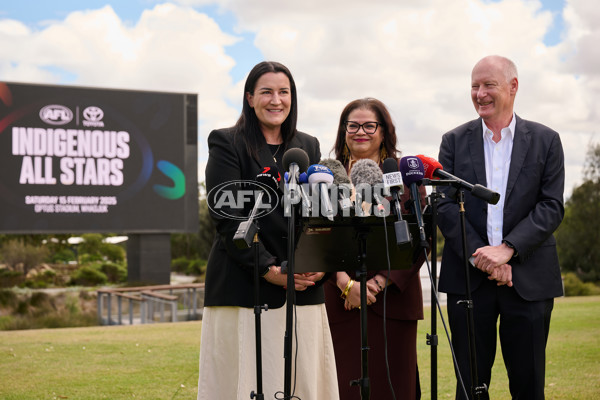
40, 299
115, 273
40, 310
62, 256
89, 258
196, 267
92, 242
575, 287
112, 252
180, 265
10, 278
15, 252
42, 280
88, 276
8, 298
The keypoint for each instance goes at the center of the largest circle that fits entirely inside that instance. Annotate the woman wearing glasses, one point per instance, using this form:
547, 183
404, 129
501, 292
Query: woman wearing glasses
366, 131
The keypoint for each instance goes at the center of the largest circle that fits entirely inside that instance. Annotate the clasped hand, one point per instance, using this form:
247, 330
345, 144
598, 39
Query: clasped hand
353, 298
493, 260
301, 281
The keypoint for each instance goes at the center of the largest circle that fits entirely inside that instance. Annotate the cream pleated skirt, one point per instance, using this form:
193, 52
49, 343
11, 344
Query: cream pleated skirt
228, 354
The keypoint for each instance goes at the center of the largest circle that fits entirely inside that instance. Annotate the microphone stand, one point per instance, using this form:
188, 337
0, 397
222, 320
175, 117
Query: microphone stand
290, 297
241, 239
364, 381
259, 395
476, 390
432, 339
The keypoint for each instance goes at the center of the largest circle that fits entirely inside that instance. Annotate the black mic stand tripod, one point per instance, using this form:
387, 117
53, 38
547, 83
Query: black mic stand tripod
476, 389
246, 235
361, 275
314, 254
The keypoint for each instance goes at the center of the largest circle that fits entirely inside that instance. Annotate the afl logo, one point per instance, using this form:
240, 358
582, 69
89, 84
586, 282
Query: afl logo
56, 114
233, 199
93, 114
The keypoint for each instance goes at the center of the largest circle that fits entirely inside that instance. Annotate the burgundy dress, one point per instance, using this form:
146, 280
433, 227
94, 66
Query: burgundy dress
404, 308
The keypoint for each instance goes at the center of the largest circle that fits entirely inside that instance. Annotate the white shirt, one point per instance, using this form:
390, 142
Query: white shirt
497, 164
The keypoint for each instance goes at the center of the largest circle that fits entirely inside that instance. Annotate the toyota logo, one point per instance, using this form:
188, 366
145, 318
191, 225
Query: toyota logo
93, 113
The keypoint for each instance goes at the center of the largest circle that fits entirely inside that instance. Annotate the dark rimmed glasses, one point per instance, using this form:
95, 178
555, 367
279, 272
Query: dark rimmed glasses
369, 127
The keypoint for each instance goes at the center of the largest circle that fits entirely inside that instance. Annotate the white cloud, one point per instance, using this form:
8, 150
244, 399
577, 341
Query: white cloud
417, 58
170, 48
414, 56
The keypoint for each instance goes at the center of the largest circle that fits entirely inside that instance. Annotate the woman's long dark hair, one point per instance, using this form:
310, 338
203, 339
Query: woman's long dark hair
383, 115
247, 126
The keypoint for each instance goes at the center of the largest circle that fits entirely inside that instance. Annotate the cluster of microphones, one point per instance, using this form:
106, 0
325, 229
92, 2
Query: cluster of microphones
326, 190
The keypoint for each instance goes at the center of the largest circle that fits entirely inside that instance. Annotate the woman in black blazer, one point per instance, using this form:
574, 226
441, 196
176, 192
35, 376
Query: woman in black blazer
262, 134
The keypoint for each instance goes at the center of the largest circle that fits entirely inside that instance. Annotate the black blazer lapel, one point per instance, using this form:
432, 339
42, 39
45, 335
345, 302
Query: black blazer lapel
477, 153
521, 142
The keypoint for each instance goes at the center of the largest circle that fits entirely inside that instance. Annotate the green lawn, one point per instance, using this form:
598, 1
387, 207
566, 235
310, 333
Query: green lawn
572, 355
160, 361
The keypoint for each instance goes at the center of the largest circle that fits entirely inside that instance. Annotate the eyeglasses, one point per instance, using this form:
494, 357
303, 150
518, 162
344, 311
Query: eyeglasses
369, 128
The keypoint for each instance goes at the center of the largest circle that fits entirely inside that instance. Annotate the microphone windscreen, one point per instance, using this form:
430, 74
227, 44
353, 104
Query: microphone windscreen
319, 173
412, 169
392, 178
429, 165
295, 156
302, 178
366, 171
390, 165
270, 177
340, 176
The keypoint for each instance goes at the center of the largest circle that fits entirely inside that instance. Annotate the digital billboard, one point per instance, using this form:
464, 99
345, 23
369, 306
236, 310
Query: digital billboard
76, 159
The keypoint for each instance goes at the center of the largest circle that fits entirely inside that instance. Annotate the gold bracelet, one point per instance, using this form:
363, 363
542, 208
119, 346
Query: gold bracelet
347, 288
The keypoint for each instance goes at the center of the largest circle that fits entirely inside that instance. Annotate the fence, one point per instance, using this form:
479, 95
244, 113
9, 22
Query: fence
183, 302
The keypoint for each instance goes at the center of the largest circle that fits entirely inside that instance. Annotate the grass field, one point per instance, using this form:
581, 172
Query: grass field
160, 361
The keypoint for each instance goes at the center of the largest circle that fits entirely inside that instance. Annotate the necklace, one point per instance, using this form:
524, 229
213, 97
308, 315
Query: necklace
276, 151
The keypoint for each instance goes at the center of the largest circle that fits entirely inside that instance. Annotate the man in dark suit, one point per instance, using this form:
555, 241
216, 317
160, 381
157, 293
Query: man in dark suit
514, 271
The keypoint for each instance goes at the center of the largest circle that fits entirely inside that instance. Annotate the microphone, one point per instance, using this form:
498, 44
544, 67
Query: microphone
294, 161
269, 178
412, 173
392, 178
434, 168
321, 176
306, 203
342, 181
364, 173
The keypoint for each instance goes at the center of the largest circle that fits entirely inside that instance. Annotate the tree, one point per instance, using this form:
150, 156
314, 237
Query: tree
196, 245
578, 237
206, 231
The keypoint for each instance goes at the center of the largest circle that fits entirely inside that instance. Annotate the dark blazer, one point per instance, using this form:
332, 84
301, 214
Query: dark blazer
533, 208
229, 273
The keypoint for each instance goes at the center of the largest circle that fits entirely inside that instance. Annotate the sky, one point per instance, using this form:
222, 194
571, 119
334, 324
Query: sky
415, 56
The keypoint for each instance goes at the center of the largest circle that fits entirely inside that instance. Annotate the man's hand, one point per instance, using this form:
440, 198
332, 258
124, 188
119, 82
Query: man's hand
502, 274
489, 257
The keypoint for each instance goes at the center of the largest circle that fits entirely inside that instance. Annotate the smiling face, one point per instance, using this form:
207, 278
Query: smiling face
360, 144
271, 100
493, 92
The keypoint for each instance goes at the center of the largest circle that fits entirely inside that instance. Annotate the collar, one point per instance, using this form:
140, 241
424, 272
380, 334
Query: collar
510, 129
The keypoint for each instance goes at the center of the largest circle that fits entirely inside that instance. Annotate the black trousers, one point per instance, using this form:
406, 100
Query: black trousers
523, 330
